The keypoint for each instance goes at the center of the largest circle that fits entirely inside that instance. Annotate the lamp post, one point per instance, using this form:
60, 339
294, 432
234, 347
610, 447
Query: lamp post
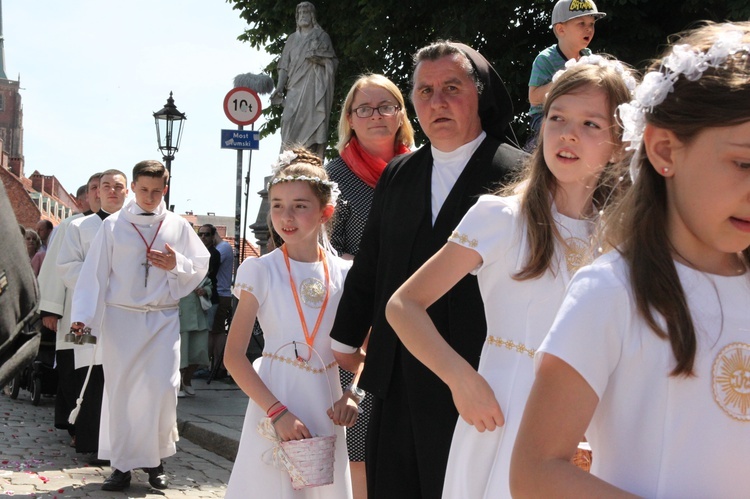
167, 137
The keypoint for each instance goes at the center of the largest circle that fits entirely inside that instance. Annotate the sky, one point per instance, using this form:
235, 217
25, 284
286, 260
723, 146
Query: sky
93, 72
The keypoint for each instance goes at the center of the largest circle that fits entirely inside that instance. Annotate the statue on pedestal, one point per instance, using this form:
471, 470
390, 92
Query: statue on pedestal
306, 82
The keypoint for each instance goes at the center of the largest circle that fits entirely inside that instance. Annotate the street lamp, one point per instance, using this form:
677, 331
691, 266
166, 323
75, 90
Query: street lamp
165, 135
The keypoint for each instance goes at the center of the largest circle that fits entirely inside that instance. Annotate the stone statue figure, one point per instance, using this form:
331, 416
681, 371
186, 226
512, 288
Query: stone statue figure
306, 81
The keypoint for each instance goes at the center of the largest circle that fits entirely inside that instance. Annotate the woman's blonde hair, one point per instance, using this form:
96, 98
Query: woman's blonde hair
405, 133
32, 234
538, 185
637, 225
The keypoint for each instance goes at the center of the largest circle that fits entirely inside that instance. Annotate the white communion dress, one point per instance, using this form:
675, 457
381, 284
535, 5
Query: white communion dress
301, 386
653, 434
519, 315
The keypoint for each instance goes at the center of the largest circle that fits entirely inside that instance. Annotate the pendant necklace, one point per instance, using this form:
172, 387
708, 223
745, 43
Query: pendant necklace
148, 248
309, 338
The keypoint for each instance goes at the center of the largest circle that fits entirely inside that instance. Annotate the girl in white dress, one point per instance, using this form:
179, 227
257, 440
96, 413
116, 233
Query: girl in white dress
651, 347
294, 292
523, 247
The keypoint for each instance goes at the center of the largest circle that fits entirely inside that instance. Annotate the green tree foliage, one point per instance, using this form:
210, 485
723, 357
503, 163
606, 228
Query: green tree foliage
381, 36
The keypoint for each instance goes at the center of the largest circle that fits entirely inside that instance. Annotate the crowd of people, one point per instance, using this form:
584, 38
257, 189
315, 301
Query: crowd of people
465, 319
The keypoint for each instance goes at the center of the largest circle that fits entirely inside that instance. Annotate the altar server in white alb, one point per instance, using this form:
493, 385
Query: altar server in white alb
142, 261
113, 190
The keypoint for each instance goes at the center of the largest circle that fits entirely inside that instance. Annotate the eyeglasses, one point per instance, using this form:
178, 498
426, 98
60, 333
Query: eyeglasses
204, 234
384, 110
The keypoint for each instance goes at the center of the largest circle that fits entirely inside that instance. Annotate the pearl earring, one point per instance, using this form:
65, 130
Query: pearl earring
665, 170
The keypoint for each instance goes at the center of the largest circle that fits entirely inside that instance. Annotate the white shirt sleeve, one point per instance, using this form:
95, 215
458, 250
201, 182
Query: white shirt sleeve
488, 228
589, 330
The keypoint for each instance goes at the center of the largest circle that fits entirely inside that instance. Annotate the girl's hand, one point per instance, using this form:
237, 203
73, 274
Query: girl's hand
344, 412
289, 427
477, 404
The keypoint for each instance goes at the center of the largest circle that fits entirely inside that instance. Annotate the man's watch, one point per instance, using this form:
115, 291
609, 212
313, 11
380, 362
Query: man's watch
358, 394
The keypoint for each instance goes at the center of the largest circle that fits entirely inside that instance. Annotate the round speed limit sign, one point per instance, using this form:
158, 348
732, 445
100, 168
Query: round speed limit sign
242, 106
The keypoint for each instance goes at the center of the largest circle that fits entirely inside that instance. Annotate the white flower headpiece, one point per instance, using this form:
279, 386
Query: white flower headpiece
656, 85
284, 159
333, 186
603, 62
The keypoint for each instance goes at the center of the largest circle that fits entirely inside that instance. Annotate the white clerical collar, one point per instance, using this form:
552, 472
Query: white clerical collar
134, 213
461, 154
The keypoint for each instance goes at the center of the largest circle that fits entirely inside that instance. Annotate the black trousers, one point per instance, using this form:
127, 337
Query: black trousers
88, 422
68, 389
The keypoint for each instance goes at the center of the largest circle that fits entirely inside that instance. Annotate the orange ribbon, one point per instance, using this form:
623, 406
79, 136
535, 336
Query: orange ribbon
309, 338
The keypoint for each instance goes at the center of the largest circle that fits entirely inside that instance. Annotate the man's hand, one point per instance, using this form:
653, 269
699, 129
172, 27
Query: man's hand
50, 322
166, 260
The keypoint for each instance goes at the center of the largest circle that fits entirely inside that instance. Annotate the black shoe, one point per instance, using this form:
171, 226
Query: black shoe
157, 478
118, 480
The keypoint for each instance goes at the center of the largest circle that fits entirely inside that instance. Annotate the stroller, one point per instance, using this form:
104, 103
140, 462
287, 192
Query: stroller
39, 377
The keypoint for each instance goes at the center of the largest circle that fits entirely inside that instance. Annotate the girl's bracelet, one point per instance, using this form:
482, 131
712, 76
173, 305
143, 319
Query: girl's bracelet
277, 411
281, 415
272, 406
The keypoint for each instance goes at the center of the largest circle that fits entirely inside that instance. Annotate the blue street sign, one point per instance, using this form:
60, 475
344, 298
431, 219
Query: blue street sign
240, 139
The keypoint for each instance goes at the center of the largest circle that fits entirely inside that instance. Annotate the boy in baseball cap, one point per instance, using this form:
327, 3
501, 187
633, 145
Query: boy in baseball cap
573, 25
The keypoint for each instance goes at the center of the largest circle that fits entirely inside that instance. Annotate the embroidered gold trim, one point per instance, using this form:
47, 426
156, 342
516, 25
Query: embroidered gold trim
300, 364
463, 239
246, 287
577, 254
730, 378
511, 345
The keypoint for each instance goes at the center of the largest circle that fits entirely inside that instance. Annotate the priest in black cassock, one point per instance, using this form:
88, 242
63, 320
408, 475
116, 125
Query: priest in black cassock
464, 109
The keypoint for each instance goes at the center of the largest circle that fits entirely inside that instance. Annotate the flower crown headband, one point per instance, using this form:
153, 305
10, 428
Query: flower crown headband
657, 85
285, 159
602, 62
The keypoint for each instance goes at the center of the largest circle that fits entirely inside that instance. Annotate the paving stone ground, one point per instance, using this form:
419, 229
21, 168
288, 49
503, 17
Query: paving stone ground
36, 461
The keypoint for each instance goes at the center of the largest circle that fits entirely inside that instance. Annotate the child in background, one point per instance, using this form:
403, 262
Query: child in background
294, 292
651, 348
524, 247
573, 26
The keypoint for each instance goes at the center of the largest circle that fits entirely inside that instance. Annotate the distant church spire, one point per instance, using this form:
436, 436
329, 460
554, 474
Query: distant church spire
2, 45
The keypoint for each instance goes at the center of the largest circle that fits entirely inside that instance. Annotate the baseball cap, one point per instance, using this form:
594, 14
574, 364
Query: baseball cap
565, 10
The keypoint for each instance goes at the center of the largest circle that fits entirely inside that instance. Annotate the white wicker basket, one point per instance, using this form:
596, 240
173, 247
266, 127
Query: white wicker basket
309, 462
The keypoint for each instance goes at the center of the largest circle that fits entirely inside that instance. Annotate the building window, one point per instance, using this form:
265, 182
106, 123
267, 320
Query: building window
2, 102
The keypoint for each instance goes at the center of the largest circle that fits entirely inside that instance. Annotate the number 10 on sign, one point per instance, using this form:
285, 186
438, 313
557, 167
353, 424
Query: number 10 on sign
242, 106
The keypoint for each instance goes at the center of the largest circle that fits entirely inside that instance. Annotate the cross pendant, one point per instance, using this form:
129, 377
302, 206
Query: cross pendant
147, 265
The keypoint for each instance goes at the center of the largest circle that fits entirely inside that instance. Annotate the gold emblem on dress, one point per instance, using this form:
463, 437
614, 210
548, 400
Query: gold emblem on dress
577, 254
312, 292
731, 380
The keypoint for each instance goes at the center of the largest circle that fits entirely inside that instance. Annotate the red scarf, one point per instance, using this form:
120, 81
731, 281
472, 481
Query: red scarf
363, 164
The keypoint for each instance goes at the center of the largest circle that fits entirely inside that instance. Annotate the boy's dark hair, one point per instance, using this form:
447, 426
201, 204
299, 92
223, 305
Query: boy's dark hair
150, 168
112, 171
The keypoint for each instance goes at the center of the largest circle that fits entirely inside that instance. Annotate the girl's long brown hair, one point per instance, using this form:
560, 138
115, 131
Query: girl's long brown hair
637, 226
538, 185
